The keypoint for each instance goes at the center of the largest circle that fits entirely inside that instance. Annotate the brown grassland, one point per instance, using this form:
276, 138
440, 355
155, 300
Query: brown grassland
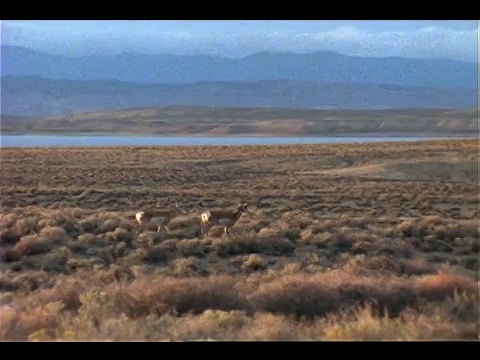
343, 242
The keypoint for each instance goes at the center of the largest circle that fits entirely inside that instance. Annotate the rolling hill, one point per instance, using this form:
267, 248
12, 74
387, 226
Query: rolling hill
253, 121
40, 97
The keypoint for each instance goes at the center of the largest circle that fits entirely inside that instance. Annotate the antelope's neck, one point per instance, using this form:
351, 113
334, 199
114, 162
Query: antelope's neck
238, 213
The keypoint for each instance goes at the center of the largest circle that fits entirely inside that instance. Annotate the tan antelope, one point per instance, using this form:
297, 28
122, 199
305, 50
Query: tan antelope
224, 217
157, 215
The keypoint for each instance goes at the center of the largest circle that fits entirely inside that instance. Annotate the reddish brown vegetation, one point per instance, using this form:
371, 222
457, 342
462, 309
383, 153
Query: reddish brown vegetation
329, 256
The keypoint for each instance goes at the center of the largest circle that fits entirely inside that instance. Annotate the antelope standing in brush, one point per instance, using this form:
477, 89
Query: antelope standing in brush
159, 216
224, 217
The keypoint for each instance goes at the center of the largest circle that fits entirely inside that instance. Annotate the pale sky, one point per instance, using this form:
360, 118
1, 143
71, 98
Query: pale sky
454, 39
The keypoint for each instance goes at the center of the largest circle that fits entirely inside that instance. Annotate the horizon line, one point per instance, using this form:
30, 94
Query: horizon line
122, 53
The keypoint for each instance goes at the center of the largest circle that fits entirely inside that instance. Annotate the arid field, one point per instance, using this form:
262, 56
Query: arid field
342, 242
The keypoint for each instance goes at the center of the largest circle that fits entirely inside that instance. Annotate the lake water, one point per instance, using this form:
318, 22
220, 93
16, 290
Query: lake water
92, 141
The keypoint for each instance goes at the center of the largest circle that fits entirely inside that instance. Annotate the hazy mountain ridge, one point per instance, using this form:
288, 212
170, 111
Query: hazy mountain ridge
39, 97
318, 67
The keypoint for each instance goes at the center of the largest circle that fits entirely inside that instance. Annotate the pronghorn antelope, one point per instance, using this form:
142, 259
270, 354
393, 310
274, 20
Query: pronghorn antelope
224, 217
157, 215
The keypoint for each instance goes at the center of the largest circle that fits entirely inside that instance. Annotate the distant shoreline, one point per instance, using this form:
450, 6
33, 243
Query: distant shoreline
170, 135
99, 141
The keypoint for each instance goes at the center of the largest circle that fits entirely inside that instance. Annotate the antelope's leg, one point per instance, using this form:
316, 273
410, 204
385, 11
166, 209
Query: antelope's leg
160, 225
204, 229
225, 231
150, 243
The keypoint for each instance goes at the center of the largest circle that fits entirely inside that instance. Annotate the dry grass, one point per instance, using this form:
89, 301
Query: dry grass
325, 254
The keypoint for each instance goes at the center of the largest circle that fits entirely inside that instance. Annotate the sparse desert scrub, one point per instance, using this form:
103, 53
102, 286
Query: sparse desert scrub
387, 264
96, 320
249, 243
48, 238
322, 256
161, 254
179, 294
365, 323
335, 305
25, 281
254, 262
437, 226
192, 247
120, 235
99, 223
185, 266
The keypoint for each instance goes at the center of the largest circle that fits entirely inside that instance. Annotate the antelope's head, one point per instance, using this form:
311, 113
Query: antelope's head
243, 207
